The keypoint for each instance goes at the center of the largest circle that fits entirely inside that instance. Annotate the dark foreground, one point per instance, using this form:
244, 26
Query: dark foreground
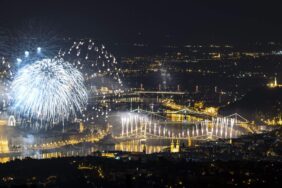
142, 171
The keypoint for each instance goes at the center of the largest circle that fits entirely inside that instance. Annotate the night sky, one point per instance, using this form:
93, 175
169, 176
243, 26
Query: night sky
152, 21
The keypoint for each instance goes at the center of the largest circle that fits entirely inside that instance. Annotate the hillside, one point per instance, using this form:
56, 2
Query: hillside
261, 103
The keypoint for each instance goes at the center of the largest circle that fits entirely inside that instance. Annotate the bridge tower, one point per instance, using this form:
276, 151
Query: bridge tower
12, 121
81, 127
174, 148
189, 142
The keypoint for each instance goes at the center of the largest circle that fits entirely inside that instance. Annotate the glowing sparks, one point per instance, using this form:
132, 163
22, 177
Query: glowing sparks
101, 73
50, 90
43, 89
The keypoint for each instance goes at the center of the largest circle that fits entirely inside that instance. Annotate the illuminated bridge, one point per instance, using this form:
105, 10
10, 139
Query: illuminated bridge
161, 92
139, 126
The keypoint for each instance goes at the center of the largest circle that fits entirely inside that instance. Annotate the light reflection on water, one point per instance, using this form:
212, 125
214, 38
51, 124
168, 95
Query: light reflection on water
60, 152
11, 137
84, 149
137, 146
4, 159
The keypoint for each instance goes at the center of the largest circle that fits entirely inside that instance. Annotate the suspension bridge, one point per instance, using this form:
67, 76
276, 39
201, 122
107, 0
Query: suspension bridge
136, 125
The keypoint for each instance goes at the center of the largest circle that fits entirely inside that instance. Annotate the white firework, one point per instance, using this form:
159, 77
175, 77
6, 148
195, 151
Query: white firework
49, 90
103, 77
6, 74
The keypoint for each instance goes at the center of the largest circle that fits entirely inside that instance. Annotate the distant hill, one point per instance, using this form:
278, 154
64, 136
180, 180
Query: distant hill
260, 103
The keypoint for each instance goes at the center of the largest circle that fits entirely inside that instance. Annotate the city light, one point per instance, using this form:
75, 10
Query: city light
153, 94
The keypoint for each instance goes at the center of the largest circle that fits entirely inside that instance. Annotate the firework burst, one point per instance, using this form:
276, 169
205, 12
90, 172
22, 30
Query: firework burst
44, 91
49, 90
101, 73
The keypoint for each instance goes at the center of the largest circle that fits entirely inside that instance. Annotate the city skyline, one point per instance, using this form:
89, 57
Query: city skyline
140, 94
